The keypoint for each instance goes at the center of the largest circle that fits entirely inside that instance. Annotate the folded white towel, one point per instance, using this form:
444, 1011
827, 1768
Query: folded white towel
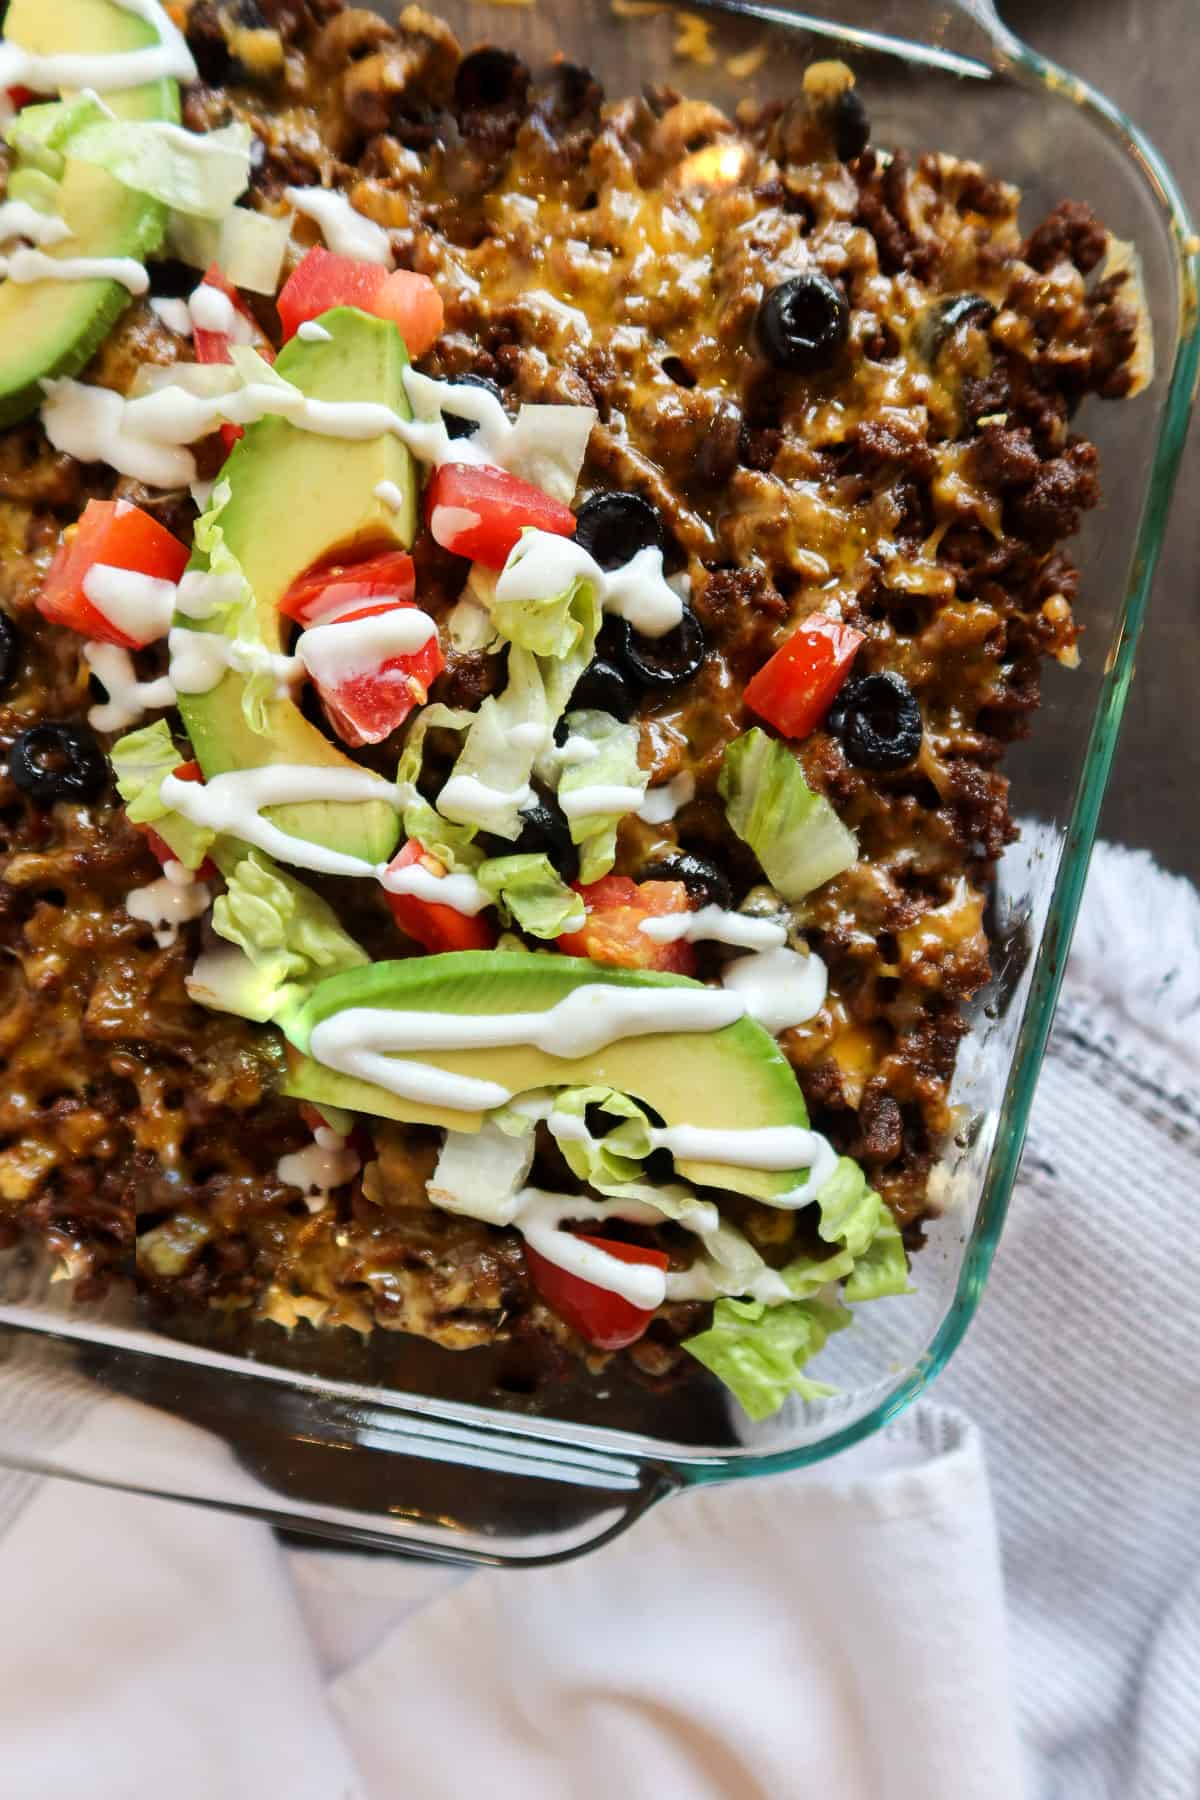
836, 1633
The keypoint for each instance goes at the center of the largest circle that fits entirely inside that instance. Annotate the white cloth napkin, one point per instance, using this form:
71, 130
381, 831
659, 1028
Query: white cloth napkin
839, 1634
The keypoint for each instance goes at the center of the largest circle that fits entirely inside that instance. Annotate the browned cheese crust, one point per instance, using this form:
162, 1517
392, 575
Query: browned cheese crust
612, 254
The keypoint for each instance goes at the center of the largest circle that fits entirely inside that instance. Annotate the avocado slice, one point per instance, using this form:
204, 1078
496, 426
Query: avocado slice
735, 1078
297, 499
52, 328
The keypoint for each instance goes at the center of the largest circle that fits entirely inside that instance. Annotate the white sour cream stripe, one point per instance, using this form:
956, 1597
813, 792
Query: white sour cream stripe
200, 659
128, 698
336, 651
662, 803
374, 1043
345, 230
26, 267
140, 606
462, 892
713, 924
780, 988
19, 219
169, 902
103, 72
326, 1164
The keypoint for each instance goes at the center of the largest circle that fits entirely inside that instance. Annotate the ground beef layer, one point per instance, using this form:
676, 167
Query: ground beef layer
615, 254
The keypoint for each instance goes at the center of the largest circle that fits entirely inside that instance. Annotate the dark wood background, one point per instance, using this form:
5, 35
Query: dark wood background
1142, 53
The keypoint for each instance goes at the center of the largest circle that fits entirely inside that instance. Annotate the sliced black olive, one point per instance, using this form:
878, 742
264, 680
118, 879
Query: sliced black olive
879, 721
803, 323
57, 762
851, 125
10, 651
604, 688
546, 832
701, 878
490, 78
939, 322
614, 527
664, 662
461, 428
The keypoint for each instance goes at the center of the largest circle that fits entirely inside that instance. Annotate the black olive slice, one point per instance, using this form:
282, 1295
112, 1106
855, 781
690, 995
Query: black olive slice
462, 428
604, 688
939, 322
489, 79
545, 832
57, 762
803, 323
851, 125
879, 721
612, 528
702, 879
665, 662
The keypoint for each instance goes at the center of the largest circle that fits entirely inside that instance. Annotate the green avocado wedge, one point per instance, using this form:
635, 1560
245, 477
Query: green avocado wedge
52, 328
297, 498
735, 1078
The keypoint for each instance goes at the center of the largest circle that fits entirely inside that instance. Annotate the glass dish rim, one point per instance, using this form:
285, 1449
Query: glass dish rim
676, 1466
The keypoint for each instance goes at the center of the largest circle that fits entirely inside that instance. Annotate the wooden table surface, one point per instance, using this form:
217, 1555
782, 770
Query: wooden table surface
1142, 53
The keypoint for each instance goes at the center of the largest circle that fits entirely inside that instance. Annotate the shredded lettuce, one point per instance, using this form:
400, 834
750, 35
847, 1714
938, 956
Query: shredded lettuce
200, 174
249, 246
615, 764
480, 1173
548, 445
882, 1269
760, 1351
141, 761
552, 626
289, 934
529, 891
794, 832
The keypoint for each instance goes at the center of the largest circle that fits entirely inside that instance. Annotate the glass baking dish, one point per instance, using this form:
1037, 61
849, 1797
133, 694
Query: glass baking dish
396, 1444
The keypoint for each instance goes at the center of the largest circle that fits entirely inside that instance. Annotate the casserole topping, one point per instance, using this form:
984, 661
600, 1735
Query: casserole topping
552, 787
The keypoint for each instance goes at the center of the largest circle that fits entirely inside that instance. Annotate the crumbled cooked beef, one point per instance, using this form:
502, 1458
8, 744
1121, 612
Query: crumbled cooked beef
587, 254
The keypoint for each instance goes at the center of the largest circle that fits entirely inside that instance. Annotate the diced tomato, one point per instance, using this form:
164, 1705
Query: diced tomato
213, 346
324, 281
612, 933
437, 927
796, 688
415, 307
118, 535
367, 705
188, 771
21, 96
480, 513
605, 1319
322, 594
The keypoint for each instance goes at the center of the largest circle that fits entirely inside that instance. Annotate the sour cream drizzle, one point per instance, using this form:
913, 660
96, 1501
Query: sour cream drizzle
200, 659
337, 651
662, 803
781, 988
169, 902
140, 606
374, 1043
713, 924
345, 230
128, 698
28, 266
19, 219
326, 1164
104, 72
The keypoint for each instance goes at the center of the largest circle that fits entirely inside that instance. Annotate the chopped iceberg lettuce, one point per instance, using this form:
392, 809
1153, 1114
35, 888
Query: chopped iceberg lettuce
290, 935
529, 891
760, 1351
141, 761
615, 765
794, 832
200, 174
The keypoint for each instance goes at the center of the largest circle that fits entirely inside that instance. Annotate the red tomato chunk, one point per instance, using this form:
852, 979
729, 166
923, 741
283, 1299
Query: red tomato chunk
366, 701
480, 513
603, 1318
796, 688
612, 934
112, 534
437, 928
